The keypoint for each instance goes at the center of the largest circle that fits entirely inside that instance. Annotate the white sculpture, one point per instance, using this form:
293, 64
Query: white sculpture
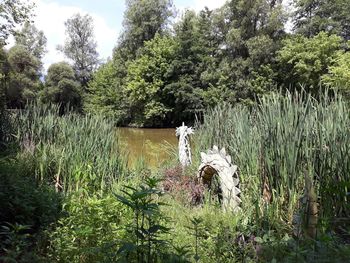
183, 133
217, 162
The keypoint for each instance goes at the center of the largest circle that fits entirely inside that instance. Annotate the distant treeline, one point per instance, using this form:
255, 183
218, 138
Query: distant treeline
164, 70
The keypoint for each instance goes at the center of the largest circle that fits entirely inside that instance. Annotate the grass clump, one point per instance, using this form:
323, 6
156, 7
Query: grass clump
72, 152
53, 162
293, 154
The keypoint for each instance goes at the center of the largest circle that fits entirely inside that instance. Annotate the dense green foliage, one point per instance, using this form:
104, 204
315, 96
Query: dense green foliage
89, 231
3, 114
339, 73
236, 53
48, 157
145, 82
280, 142
105, 95
21, 65
12, 14
61, 86
23, 201
27, 209
23, 81
305, 60
155, 17
32, 39
312, 17
163, 72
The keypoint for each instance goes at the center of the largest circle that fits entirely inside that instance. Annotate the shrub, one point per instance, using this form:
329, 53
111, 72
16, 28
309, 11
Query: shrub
185, 188
27, 209
90, 231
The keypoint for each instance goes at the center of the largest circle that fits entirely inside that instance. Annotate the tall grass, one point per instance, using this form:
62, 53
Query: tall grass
72, 151
280, 142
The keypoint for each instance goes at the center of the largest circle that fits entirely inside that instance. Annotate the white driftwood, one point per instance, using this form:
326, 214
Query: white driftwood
183, 133
217, 162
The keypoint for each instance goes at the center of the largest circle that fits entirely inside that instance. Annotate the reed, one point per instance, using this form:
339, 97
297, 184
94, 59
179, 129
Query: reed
277, 143
72, 151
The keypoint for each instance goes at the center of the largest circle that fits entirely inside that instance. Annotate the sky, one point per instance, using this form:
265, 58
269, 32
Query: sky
50, 16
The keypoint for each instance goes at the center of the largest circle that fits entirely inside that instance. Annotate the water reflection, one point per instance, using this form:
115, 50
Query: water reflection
149, 144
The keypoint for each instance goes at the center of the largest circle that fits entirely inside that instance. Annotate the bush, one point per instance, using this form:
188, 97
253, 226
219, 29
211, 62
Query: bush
26, 211
90, 231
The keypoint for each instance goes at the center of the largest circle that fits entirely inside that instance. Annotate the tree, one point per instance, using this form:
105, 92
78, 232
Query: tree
24, 60
184, 92
105, 95
61, 86
313, 16
23, 80
305, 60
146, 79
247, 35
80, 47
4, 71
32, 39
12, 13
338, 76
142, 20
305, 17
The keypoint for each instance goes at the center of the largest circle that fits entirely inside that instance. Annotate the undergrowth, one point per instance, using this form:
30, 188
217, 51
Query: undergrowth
66, 195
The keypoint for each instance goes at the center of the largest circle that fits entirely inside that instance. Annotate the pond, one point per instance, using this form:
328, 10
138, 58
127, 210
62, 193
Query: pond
153, 146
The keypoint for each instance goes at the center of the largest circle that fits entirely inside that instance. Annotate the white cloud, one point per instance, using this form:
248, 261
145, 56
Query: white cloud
50, 17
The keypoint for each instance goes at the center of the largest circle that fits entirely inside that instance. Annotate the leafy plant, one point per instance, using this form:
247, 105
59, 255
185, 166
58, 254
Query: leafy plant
89, 230
146, 229
16, 243
196, 227
27, 209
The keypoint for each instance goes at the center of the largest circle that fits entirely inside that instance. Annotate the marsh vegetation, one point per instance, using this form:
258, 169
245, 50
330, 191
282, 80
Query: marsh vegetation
83, 208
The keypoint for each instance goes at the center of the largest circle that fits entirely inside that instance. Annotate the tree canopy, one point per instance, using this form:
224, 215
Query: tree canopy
142, 20
13, 13
32, 39
23, 77
313, 16
305, 60
61, 86
164, 71
105, 96
80, 46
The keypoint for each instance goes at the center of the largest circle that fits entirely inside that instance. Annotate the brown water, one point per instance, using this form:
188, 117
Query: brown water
154, 146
